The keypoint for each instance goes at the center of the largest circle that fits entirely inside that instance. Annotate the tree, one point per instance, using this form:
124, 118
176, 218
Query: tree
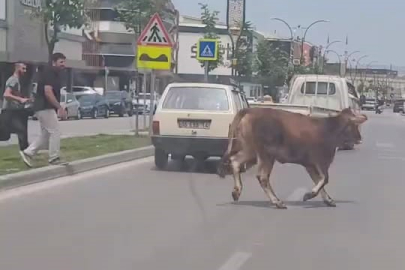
57, 15
135, 14
210, 20
243, 52
271, 64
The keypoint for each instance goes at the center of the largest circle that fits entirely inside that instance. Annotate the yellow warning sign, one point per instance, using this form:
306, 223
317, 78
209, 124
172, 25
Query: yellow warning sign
154, 57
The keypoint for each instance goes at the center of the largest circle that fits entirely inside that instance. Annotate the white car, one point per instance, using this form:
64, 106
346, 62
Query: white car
194, 119
144, 102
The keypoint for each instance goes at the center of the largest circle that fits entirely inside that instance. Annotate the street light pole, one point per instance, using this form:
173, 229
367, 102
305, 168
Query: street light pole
305, 34
291, 38
325, 52
340, 60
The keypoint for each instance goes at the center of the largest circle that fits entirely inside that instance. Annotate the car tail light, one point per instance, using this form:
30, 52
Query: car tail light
156, 128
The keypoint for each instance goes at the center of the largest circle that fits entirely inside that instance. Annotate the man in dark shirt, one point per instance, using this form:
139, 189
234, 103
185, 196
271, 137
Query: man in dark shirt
47, 107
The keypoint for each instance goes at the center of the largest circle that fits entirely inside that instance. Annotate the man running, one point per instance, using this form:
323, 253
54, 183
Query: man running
16, 118
47, 107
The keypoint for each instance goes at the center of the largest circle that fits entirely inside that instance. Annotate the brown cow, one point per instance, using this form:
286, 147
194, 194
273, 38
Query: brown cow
264, 135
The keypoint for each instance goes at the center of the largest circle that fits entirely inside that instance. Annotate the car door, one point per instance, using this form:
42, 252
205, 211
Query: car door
102, 103
99, 105
70, 105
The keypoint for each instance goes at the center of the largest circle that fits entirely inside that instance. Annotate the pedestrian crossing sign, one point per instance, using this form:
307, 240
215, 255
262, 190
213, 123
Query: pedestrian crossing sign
207, 49
155, 34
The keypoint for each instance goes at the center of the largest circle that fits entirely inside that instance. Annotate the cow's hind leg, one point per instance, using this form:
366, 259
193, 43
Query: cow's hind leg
237, 161
323, 179
316, 177
264, 170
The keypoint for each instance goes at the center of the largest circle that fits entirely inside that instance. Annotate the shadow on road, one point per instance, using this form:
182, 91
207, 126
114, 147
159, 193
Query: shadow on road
268, 204
191, 166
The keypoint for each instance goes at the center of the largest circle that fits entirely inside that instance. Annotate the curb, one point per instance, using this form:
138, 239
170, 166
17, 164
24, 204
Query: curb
52, 172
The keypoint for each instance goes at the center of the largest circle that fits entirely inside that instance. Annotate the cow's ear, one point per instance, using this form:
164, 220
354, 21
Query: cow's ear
359, 119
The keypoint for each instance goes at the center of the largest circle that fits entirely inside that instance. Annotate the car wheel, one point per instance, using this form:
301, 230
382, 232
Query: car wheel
180, 158
121, 114
161, 159
95, 114
79, 115
131, 111
347, 146
67, 115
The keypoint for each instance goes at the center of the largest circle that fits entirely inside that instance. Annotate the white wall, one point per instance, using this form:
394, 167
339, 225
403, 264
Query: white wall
116, 27
71, 49
188, 64
3, 40
2, 9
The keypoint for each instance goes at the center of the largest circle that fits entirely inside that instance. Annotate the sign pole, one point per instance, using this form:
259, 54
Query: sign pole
206, 71
145, 77
154, 52
137, 91
152, 95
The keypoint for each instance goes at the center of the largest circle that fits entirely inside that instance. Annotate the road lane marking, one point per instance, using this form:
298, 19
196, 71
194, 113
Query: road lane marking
391, 158
236, 261
384, 145
42, 186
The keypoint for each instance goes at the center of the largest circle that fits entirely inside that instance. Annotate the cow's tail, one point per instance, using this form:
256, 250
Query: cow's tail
224, 164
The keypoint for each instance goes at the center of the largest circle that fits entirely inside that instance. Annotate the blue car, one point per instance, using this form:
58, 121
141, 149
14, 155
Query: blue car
94, 106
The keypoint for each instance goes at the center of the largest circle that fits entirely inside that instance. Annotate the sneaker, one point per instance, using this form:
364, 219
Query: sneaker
57, 161
26, 158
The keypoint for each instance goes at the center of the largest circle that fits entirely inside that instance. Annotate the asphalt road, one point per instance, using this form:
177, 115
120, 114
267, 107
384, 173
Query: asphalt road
131, 216
87, 126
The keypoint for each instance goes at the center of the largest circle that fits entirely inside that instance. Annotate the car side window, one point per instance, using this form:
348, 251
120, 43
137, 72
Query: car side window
237, 101
245, 104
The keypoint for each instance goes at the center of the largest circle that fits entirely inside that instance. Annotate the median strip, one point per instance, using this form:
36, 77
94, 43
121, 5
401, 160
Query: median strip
83, 153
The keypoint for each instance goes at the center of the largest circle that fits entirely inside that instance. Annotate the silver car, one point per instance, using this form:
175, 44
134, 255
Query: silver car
71, 105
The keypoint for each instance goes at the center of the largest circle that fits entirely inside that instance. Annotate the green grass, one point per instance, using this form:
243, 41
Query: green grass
73, 149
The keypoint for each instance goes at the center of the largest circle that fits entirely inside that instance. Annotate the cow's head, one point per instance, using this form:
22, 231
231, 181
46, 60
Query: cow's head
351, 122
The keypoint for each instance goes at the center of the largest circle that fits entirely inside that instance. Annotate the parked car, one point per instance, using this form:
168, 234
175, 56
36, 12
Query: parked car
369, 105
71, 105
94, 106
398, 105
119, 103
144, 103
193, 119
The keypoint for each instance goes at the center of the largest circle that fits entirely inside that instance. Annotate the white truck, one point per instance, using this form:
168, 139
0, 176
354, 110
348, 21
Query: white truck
318, 96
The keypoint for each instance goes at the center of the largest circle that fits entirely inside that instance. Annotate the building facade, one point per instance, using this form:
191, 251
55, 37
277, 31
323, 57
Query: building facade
110, 49
191, 29
22, 38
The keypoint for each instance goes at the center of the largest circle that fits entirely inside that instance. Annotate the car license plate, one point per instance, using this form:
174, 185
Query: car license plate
196, 124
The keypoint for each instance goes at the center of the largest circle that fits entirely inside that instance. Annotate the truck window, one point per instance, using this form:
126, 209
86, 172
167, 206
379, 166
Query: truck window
322, 88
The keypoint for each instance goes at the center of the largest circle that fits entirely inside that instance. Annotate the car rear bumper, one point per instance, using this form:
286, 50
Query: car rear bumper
194, 146
117, 109
86, 112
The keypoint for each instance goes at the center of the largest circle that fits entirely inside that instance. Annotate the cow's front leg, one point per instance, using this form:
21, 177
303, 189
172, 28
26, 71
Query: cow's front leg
237, 161
323, 179
265, 168
316, 177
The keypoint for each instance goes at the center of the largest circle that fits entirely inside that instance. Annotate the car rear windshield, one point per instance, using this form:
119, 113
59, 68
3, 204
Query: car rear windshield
196, 98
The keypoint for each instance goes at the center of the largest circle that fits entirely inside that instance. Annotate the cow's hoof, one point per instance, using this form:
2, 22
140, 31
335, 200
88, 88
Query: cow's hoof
330, 203
235, 195
308, 196
280, 205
